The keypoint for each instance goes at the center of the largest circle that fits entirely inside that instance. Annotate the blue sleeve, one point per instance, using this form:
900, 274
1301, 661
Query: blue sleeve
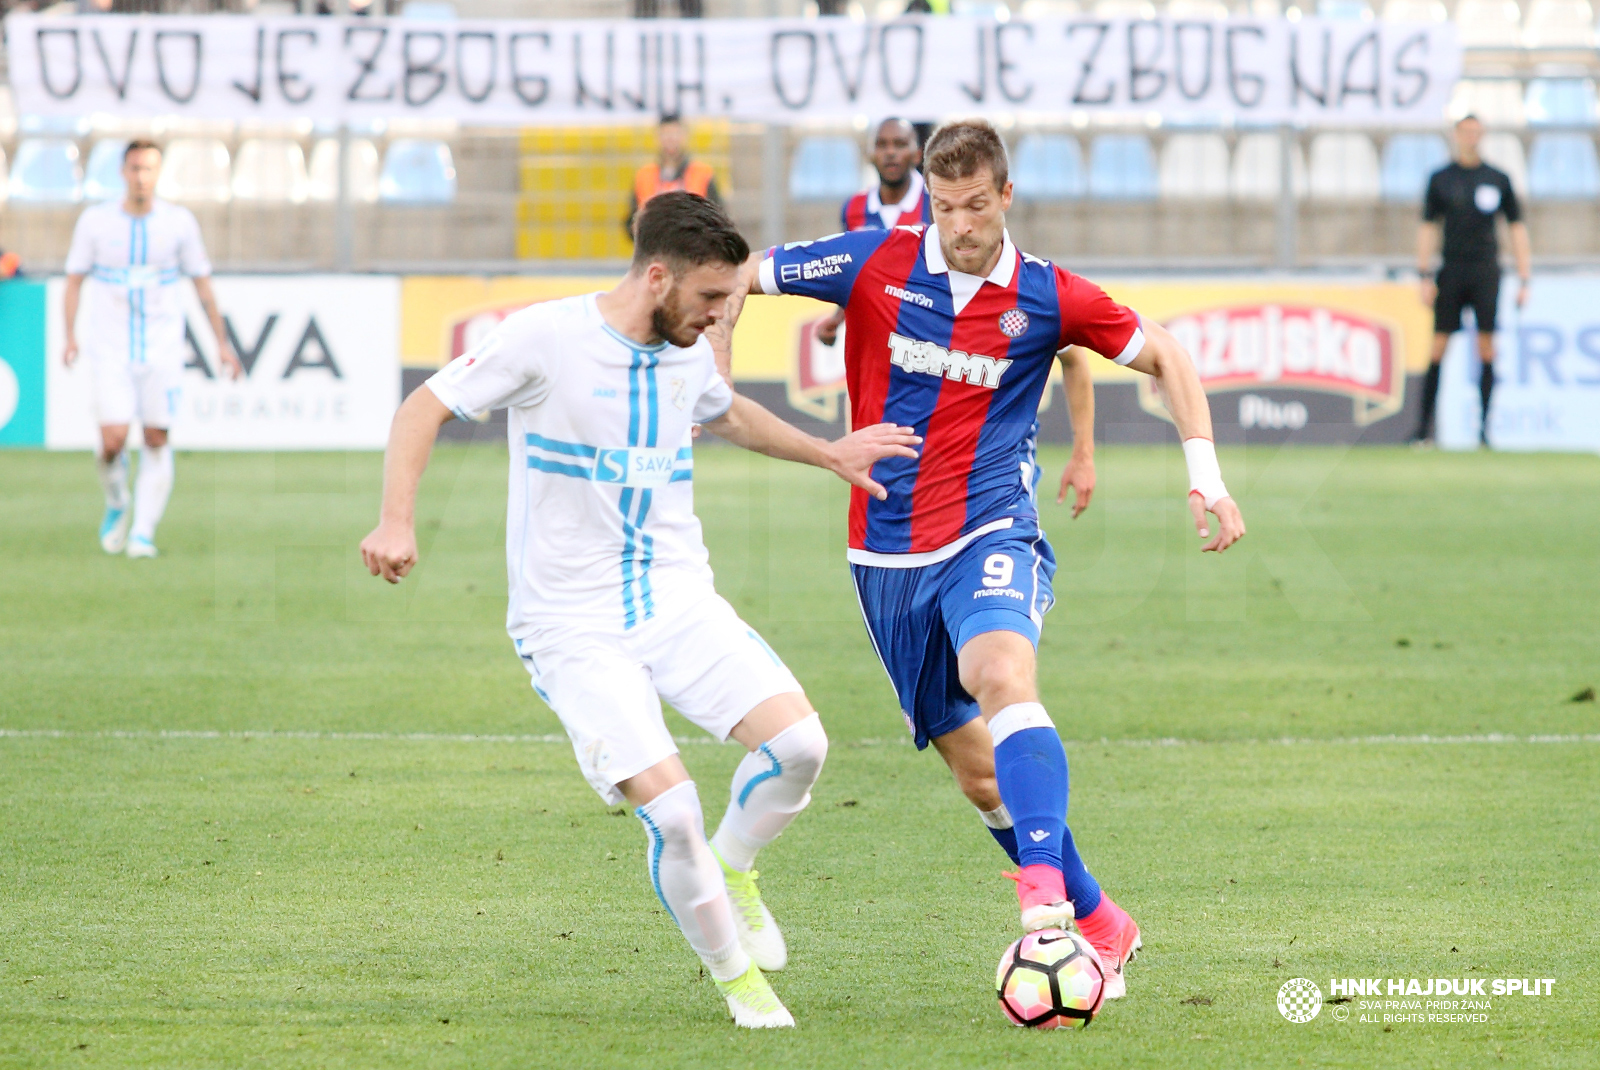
825, 269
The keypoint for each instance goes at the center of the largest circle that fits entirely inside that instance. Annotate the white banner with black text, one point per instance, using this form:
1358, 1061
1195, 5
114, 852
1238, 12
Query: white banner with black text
498, 72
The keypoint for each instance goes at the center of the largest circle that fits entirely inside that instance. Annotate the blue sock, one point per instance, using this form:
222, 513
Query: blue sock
1007, 839
1082, 889
1030, 768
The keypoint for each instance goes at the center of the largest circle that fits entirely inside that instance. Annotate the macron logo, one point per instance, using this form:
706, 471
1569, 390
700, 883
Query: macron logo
1038, 834
909, 295
930, 359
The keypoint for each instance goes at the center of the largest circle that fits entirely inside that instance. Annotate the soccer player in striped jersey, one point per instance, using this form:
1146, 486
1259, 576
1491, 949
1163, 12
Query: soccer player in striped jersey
951, 330
612, 607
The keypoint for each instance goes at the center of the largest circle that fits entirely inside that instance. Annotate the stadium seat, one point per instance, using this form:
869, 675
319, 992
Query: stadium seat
1504, 151
1489, 23
1560, 102
1414, 11
1257, 171
270, 169
825, 168
1345, 10
1559, 24
417, 171
195, 169
1195, 9
1124, 9
1563, 167
45, 171
1498, 102
1122, 167
983, 9
1194, 166
323, 179
1408, 160
1344, 167
102, 178
1048, 167
1041, 9
429, 10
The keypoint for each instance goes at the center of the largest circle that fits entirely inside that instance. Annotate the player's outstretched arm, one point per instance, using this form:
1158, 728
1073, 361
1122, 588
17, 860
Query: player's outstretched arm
851, 458
1166, 360
390, 550
1079, 473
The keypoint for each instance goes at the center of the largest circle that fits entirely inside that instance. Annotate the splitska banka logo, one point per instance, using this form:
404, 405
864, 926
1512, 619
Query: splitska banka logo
930, 359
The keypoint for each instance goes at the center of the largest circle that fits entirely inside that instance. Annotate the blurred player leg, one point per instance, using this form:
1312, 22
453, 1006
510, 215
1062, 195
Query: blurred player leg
114, 402
158, 404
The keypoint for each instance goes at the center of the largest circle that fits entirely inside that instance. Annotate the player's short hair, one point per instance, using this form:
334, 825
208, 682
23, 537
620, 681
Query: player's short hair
684, 230
963, 148
671, 117
1469, 118
138, 145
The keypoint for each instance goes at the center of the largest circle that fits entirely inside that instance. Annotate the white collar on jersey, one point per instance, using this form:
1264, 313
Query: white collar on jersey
906, 204
964, 287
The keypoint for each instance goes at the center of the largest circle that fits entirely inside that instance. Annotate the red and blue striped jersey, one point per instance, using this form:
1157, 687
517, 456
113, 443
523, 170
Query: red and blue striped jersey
963, 360
862, 211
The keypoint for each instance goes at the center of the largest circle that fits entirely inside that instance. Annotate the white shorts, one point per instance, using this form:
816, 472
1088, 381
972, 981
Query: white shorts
607, 689
125, 391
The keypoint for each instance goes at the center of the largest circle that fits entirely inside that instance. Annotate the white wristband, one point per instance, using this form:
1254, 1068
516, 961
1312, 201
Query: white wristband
1205, 475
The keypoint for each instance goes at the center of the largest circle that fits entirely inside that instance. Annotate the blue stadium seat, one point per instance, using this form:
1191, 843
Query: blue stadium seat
1563, 167
102, 179
45, 171
417, 171
1048, 167
1345, 10
1560, 102
1122, 167
825, 168
1408, 160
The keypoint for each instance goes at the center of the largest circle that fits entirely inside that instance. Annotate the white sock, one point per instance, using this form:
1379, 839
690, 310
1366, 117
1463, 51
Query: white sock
688, 880
770, 787
113, 478
998, 818
151, 490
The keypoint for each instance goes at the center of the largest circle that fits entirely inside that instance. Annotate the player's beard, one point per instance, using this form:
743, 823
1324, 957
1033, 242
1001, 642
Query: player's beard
979, 254
669, 321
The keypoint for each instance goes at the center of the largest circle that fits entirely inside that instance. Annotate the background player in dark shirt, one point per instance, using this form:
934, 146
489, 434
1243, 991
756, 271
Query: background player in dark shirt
1465, 197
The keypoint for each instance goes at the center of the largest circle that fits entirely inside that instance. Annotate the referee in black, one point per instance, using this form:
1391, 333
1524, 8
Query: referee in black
1465, 196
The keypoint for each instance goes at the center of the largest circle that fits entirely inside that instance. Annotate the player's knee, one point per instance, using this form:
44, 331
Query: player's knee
113, 441
998, 679
155, 437
981, 789
801, 749
673, 821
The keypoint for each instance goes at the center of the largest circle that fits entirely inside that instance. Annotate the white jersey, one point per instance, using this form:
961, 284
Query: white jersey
132, 310
600, 525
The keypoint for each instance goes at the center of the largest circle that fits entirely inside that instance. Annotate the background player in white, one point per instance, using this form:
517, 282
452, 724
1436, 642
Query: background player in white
134, 254
612, 606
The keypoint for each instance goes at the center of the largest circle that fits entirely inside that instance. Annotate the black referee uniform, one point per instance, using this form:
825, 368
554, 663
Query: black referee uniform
1466, 200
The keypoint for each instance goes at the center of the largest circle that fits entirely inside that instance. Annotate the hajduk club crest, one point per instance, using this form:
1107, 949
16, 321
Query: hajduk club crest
1013, 323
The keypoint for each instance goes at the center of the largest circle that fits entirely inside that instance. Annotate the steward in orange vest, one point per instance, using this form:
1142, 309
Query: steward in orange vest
673, 171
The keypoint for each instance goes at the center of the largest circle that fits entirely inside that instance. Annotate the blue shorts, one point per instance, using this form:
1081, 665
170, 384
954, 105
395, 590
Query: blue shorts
919, 619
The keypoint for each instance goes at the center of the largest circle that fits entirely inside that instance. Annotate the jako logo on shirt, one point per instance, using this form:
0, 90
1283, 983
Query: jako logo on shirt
930, 359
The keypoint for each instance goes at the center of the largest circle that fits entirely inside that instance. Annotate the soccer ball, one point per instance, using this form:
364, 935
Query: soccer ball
1050, 979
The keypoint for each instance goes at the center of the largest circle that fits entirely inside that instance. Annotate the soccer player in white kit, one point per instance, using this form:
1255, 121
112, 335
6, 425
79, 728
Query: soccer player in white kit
612, 606
133, 255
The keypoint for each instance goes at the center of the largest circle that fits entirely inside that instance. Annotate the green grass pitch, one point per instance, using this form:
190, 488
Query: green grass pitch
249, 815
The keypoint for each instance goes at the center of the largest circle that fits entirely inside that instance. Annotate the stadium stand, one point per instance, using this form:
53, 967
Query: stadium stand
1124, 9
1489, 23
417, 171
322, 173
102, 176
1563, 167
45, 171
4, 171
1408, 160
1559, 24
1497, 101
1122, 167
1048, 167
1504, 150
1345, 10
270, 169
825, 168
1195, 9
1343, 167
1560, 102
196, 169
1194, 166
1257, 171
1414, 11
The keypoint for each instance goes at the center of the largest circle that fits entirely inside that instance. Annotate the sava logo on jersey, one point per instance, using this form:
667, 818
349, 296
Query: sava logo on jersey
930, 359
